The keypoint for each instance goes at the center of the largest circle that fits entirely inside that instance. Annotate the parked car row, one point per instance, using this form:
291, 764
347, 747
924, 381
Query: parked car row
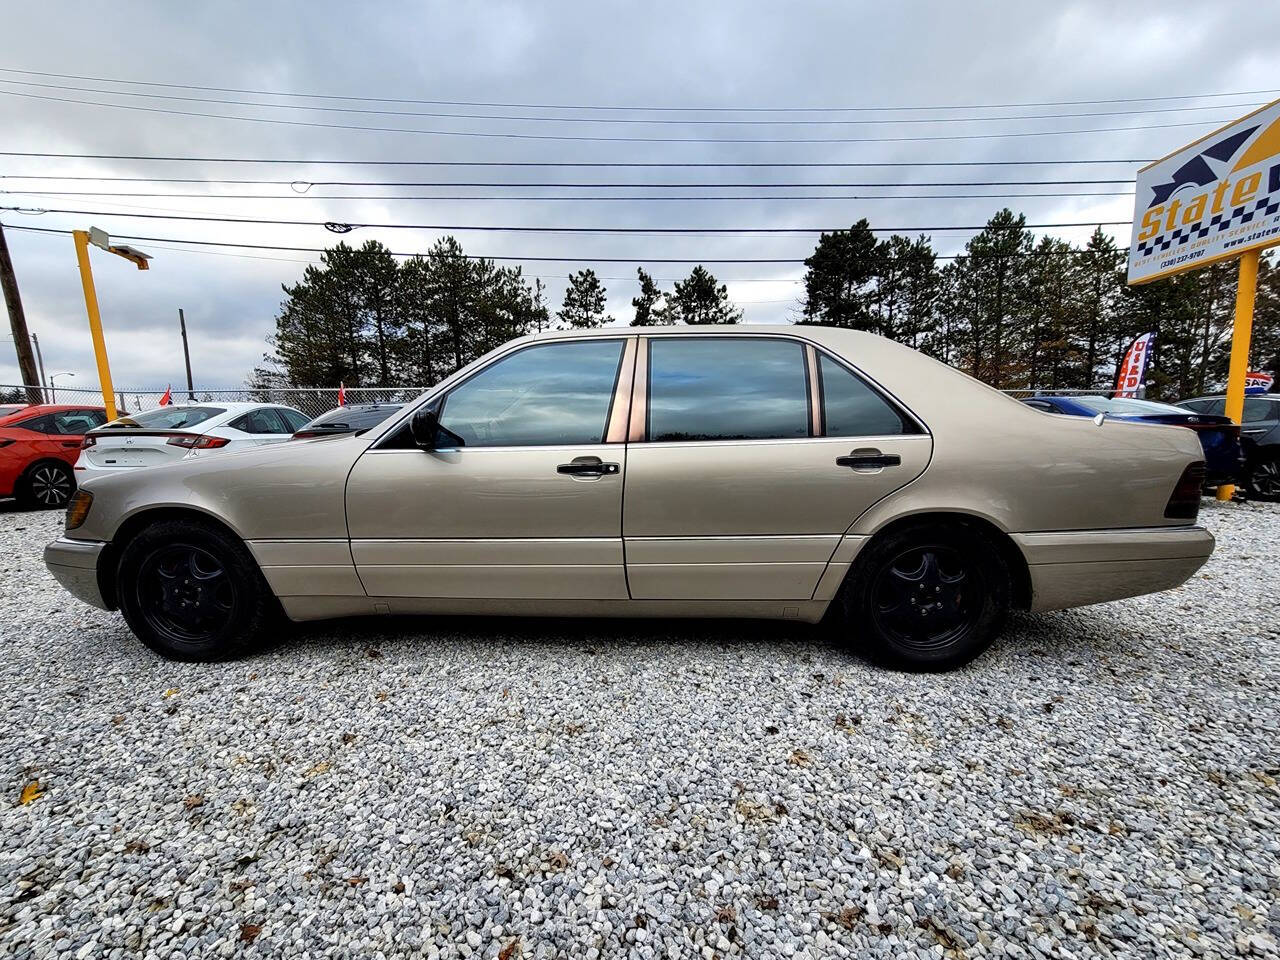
46, 450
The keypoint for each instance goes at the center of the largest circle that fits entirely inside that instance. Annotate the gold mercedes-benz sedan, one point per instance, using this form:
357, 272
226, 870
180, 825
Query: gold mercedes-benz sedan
779, 472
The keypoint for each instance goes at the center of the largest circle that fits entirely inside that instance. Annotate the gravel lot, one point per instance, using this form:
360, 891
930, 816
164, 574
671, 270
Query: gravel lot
1104, 782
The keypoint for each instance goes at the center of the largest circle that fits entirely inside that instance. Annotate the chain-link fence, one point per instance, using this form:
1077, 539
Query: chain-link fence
312, 401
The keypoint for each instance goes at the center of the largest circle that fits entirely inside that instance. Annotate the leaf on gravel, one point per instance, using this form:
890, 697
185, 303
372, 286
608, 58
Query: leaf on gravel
726, 914
137, 846
348, 738
799, 758
557, 861
847, 918
249, 932
383, 695
356, 881
767, 903
322, 767
511, 950
373, 653
117, 719
30, 793
193, 801
172, 691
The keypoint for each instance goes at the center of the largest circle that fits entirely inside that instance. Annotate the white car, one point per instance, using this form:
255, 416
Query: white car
172, 433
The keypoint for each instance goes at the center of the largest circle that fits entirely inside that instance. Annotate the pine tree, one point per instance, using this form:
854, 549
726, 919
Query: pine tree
648, 311
1097, 278
698, 299
583, 301
837, 282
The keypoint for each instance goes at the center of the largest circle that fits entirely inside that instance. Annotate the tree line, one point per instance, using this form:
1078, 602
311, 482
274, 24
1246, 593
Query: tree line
1013, 310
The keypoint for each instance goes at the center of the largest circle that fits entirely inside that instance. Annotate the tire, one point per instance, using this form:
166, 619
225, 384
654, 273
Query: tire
1263, 479
47, 485
949, 575
191, 591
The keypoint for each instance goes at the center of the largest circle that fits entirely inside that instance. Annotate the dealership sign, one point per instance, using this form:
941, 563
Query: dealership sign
1210, 201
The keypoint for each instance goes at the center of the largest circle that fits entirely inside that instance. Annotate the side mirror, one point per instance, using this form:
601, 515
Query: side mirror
1100, 419
425, 427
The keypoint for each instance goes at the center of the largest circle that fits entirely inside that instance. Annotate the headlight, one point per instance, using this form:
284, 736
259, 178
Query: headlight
78, 508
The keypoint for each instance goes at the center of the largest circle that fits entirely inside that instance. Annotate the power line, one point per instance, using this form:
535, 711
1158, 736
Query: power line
482, 228
683, 121
680, 197
535, 259
652, 109
306, 185
568, 163
578, 138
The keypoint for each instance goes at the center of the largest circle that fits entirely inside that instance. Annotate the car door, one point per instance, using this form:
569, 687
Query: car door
1261, 417
522, 497
752, 456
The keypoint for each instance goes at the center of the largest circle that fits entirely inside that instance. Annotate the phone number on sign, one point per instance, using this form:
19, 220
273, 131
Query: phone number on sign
1182, 258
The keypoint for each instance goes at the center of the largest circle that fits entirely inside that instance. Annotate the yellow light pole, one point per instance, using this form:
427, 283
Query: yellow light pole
99, 238
1246, 287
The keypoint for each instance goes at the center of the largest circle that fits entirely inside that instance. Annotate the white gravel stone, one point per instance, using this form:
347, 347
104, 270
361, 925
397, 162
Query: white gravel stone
1102, 782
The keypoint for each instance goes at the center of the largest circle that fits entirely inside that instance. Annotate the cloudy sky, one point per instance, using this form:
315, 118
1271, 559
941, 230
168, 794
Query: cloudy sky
552, 60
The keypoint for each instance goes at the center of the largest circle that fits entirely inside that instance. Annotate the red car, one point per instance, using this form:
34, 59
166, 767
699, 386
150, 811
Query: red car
39, 445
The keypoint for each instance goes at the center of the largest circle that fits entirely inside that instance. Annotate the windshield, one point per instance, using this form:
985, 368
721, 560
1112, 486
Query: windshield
350, 418
167, 418
1122, 406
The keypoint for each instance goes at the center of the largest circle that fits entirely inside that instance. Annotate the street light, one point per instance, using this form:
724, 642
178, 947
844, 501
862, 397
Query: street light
100, 239
53, 387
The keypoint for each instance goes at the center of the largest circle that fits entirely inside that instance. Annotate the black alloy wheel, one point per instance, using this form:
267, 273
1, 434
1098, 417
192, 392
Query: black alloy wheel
1263, 482
185, 593
927, 598
190, 590
929, 595
49, 485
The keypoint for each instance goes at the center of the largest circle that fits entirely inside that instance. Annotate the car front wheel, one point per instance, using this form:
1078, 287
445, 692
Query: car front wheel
928, 596
191, 591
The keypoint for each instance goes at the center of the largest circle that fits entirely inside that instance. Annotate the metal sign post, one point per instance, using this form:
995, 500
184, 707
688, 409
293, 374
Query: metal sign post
1215, 199
100, 239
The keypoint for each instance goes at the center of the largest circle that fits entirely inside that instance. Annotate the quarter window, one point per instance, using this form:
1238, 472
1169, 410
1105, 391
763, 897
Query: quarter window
725, 388
850, 408
546, 395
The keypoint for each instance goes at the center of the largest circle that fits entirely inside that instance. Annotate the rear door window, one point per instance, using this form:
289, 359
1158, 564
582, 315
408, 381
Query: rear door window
726, 388
1259, 410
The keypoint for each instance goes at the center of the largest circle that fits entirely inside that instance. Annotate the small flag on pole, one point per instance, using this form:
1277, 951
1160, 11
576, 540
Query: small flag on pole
342, 395
167, 399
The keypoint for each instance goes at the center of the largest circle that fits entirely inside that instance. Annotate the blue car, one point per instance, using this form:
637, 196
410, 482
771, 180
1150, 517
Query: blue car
1219, 437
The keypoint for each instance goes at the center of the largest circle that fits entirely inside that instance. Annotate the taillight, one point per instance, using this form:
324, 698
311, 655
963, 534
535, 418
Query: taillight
206, 442
88, 442
1184, 502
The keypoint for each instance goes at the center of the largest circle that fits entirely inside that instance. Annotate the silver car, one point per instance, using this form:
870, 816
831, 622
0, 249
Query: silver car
777, 472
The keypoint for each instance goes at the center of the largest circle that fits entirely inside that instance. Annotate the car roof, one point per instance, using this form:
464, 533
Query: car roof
813, 332
40, 409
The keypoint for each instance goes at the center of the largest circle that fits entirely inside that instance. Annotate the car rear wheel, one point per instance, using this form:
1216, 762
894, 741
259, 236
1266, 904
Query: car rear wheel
191, 591
928, 596
47, 485
1263, 480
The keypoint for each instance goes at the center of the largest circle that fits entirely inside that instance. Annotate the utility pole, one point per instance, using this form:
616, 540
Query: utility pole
18, 323
186, 354
39, 360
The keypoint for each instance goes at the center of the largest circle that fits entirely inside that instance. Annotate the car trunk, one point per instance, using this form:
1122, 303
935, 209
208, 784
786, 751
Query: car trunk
127, 447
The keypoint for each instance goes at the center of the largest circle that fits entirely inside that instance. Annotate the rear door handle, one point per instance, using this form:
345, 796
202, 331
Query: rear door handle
587, 467
868, 458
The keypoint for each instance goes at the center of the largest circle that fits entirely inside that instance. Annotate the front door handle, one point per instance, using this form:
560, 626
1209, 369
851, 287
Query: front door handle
587, 467
868, 458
